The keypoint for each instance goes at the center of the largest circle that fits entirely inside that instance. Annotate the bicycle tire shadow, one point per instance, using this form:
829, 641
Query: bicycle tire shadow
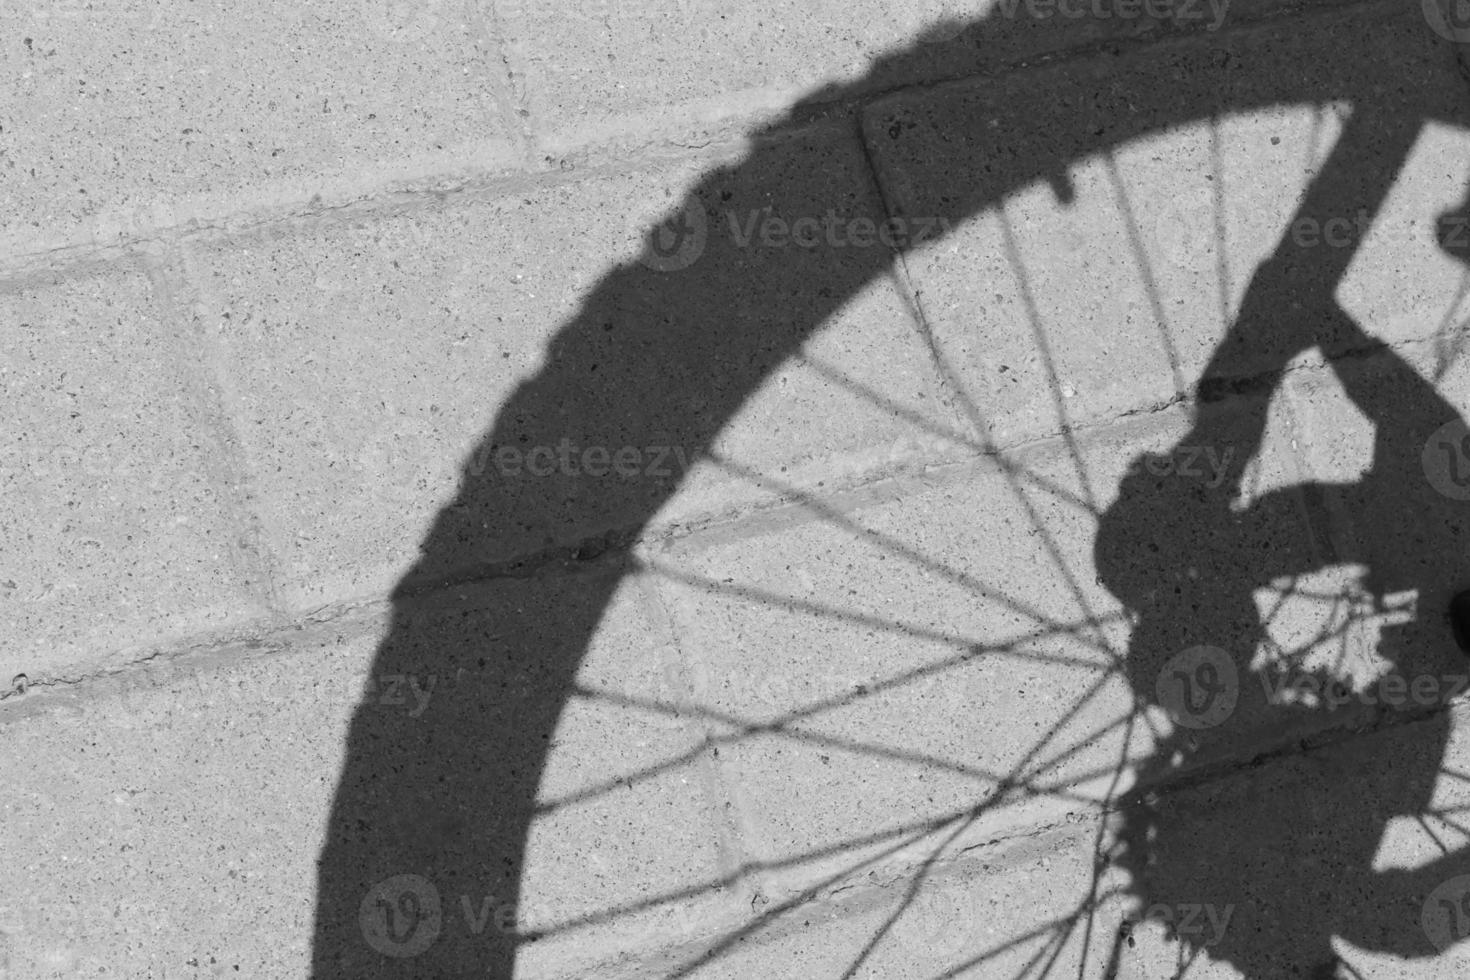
449, 796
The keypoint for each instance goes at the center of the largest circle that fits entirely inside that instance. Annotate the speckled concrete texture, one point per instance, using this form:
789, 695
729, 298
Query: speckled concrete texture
117, 531
592, 490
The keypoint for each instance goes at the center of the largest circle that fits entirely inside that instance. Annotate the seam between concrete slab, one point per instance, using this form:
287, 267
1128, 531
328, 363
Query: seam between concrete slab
1340, 528
213, 650
202, 219
510, 97
726, 813
757, 105
1387, 9
604, 554
227, 414
225, 467
1382, 719
427, 173
1006, 851
904, 284
882, 487
233, 214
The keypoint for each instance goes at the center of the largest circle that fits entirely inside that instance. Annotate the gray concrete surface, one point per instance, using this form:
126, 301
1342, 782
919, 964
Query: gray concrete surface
859, 704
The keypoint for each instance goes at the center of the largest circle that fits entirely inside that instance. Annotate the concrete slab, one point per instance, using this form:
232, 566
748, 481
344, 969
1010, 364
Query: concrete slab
119, 533
352, 450
150, 813
123, 118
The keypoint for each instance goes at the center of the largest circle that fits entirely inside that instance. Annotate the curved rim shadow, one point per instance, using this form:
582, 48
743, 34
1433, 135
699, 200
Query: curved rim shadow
441, 804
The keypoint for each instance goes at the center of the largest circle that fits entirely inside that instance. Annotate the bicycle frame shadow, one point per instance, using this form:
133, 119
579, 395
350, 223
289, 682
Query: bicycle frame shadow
450, 795
1159, 549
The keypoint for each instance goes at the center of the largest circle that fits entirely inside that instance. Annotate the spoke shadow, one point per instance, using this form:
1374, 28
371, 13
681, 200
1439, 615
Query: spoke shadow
665, 352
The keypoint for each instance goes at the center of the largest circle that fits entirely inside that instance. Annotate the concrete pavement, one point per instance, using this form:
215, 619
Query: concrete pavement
862, 700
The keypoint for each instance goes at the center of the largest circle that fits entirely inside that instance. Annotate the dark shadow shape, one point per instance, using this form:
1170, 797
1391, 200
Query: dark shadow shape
669, 358
1187, 563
